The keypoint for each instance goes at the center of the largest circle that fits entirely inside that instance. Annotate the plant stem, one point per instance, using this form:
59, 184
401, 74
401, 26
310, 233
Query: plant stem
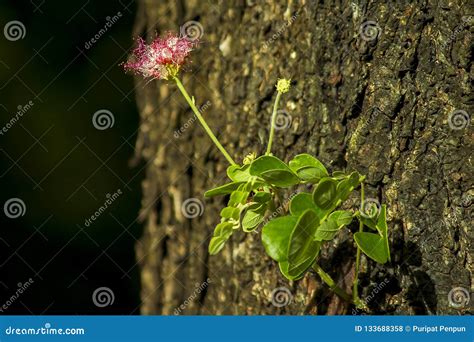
203, 122
355, 284
332, 284
272, 127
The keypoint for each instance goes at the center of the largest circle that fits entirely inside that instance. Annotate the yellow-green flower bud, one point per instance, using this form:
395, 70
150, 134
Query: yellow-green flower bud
249, 158
283, 85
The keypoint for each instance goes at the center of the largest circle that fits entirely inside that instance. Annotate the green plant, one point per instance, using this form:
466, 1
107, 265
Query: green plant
291, 236
294, 239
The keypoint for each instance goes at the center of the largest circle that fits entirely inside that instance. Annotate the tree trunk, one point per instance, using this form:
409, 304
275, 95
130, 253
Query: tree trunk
379, 100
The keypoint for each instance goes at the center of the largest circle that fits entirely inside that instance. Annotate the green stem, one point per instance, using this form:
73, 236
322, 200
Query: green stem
355, 284
203, 122
272, 127
332, 284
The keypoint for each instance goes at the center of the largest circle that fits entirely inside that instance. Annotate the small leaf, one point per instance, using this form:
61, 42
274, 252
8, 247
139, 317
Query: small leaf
325, 194
280, 178
216, 245
338, 175
302, 249
329, 228
347, 185
223, 189
274, 171
238, 173
367, 221
373, 245
308, 168
238, 197
276, 235
301, 202
254, 215
230, 213
223, 229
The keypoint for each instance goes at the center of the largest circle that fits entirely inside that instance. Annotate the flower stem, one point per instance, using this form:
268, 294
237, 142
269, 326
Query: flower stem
272, 128
355, 284
203, 122
332, 284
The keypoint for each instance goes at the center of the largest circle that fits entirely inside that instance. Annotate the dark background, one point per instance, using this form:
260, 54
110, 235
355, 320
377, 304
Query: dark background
61, 166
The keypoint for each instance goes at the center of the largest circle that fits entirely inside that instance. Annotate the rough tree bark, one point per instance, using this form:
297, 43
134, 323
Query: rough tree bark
380, 107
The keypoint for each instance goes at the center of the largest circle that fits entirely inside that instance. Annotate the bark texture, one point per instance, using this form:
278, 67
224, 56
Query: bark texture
381, 107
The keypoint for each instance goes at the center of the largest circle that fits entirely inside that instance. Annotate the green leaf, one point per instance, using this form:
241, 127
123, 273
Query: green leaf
276, 236
284, 270
223, 229
302, 249
301, 202
338, 175
373, 245
222, 233
329, 228
274, 171
238, 197
367, 221
254, 215
347, 185
325, 194
230, 213
383, 229
239, 173
223, 189
216, 245
308, 168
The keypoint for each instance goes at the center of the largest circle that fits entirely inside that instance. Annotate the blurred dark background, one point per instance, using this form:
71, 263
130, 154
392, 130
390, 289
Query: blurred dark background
63, 169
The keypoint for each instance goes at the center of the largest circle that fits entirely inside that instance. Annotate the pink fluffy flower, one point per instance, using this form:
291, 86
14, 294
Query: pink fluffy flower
162, 58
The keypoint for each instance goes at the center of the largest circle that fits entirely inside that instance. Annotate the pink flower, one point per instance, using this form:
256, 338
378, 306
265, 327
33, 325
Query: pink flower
162, 58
